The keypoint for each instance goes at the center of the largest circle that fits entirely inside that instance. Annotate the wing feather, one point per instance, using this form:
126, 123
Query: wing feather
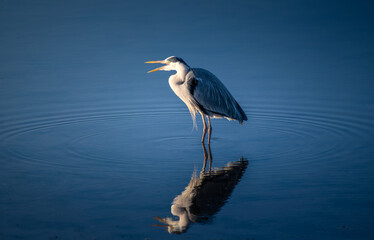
211, 95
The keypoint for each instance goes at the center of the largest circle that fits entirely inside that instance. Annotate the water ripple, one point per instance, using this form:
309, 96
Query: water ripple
307, 132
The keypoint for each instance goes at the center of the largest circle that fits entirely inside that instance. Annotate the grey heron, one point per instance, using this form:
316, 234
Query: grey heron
202, 92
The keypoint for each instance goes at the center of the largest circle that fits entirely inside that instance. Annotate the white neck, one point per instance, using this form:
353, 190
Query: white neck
182, 70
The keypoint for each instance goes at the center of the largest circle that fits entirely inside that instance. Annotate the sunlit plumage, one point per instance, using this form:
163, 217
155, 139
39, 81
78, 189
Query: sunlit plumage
202, 92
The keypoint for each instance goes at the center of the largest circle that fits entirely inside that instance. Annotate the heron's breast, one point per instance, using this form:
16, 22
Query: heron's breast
177, 86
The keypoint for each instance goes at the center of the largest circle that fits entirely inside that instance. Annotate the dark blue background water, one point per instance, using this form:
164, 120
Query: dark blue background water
93, 147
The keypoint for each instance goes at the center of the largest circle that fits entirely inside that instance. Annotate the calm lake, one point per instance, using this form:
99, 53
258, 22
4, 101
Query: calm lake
93, 147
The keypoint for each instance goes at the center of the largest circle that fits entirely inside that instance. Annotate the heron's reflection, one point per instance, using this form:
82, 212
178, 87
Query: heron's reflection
205, 194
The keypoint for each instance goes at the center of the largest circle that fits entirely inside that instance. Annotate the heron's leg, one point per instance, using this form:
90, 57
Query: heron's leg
210, 158
205, 156
209, 130
204, 130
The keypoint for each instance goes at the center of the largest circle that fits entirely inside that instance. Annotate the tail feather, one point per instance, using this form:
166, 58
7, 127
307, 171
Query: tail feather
242, 116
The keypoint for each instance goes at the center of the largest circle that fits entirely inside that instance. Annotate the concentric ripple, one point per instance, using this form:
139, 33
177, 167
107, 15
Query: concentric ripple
23, 137
320, 131
96, 136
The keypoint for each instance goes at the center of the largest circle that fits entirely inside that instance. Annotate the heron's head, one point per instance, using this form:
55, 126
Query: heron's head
172, 63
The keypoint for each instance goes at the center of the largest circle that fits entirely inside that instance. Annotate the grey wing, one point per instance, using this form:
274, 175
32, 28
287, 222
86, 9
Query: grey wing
213, 96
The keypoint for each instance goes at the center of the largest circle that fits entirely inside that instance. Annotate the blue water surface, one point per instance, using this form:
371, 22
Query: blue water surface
93, 147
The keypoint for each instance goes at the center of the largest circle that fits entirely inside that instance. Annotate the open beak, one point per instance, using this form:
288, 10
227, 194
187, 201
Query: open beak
160, 68
160, 219
159, 225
